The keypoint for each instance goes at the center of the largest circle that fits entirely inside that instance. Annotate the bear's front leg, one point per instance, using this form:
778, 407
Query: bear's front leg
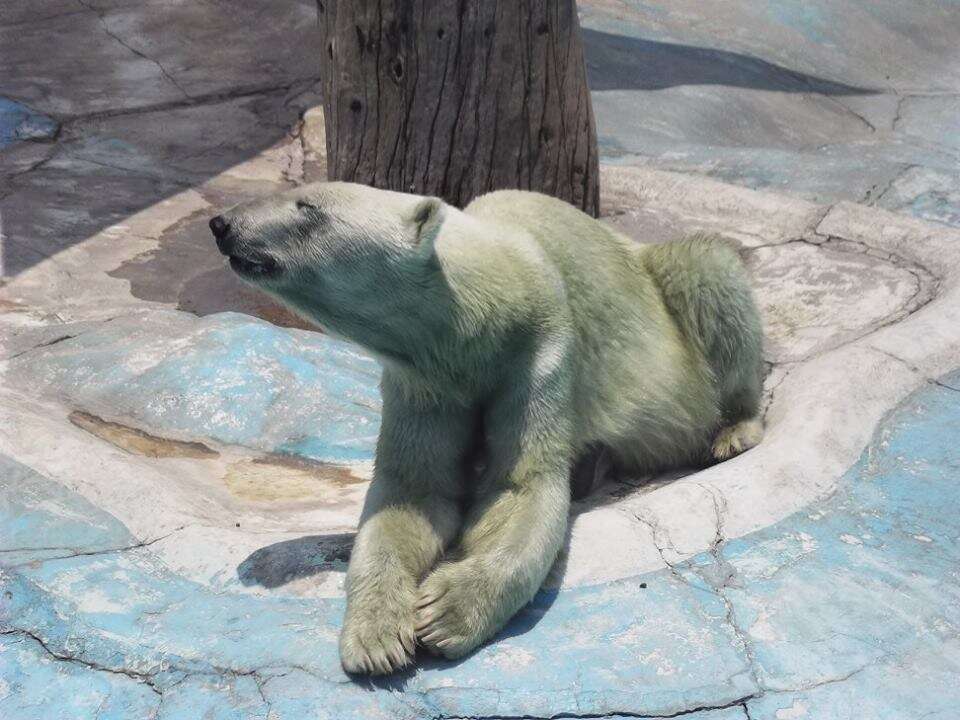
512, 535
409, 516
508, 552
399, 541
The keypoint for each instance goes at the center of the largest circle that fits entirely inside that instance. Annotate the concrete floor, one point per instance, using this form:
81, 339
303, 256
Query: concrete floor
182, 463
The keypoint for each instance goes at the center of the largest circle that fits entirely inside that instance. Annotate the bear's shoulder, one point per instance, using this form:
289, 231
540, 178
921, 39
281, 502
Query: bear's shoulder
504, 202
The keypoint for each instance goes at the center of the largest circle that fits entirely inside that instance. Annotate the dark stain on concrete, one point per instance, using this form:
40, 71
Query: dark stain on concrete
340, 475
186, 270
288, 479
138, 442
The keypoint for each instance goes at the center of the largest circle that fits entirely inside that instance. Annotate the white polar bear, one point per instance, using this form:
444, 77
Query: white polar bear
517, 336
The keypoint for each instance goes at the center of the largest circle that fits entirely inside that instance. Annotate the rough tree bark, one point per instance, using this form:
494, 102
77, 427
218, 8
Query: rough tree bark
458, 97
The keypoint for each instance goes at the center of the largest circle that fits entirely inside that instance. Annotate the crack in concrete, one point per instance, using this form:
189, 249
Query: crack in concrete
741, 702
263, 676
260, 676
723, 577
927, 282
930, 283
88, 553
101, 16
914, 369
718, 580
771, 396
850, 111
54, 154
887, 186
823, 683
898, 114
260, 683
66, 336
261, 680
48, 343
210, 98
36, 549
144, 678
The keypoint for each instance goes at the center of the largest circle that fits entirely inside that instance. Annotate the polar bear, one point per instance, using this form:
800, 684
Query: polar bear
517, 337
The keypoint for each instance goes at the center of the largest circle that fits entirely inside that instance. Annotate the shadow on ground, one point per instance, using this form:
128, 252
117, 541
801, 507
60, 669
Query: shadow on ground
276, 565
621, 62
110, 163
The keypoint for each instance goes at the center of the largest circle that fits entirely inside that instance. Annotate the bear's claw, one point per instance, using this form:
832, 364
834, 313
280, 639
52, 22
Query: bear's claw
448, 618
371, 649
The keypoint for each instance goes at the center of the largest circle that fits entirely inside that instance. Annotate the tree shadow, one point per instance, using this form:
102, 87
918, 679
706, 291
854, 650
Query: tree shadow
621, 62
104, 168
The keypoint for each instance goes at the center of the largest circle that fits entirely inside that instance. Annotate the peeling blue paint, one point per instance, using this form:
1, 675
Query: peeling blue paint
18, 122
36, 686
43, 519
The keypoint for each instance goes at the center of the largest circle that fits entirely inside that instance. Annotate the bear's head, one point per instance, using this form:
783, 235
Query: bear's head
357, 261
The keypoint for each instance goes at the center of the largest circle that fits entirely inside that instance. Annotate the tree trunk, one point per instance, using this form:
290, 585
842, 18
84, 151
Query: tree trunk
455, 98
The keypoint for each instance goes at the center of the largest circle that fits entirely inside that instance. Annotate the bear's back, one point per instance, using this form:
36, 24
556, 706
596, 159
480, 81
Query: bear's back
629, 354
595, 263
605, 280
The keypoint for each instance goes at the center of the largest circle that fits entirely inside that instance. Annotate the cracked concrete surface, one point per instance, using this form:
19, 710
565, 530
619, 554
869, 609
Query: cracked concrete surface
829, 101
182, 465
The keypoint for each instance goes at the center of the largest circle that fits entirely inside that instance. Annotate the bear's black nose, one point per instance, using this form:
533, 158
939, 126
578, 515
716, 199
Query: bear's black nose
218, 226
220, 229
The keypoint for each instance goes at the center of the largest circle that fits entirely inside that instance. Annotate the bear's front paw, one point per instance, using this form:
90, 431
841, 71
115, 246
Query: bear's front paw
377, 641
451, 619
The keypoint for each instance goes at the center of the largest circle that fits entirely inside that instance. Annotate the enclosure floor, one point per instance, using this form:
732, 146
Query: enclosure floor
182, 462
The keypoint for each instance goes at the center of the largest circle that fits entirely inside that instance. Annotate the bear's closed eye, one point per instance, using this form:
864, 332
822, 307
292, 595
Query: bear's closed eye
316, 214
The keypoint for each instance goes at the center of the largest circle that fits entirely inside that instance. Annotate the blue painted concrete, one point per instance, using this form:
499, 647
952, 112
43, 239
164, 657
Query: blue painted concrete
47, 510
18, 122
227, 377
849, 608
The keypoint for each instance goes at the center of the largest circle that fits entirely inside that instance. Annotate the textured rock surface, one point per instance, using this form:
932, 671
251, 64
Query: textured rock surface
183, 465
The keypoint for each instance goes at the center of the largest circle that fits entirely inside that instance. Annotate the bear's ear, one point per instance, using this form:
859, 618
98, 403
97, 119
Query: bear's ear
427, 219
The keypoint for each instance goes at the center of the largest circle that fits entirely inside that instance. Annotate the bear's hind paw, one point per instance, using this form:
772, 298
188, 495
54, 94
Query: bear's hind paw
735, 439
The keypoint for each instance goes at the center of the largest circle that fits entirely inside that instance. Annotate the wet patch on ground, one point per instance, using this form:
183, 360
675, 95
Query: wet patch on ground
185, 270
